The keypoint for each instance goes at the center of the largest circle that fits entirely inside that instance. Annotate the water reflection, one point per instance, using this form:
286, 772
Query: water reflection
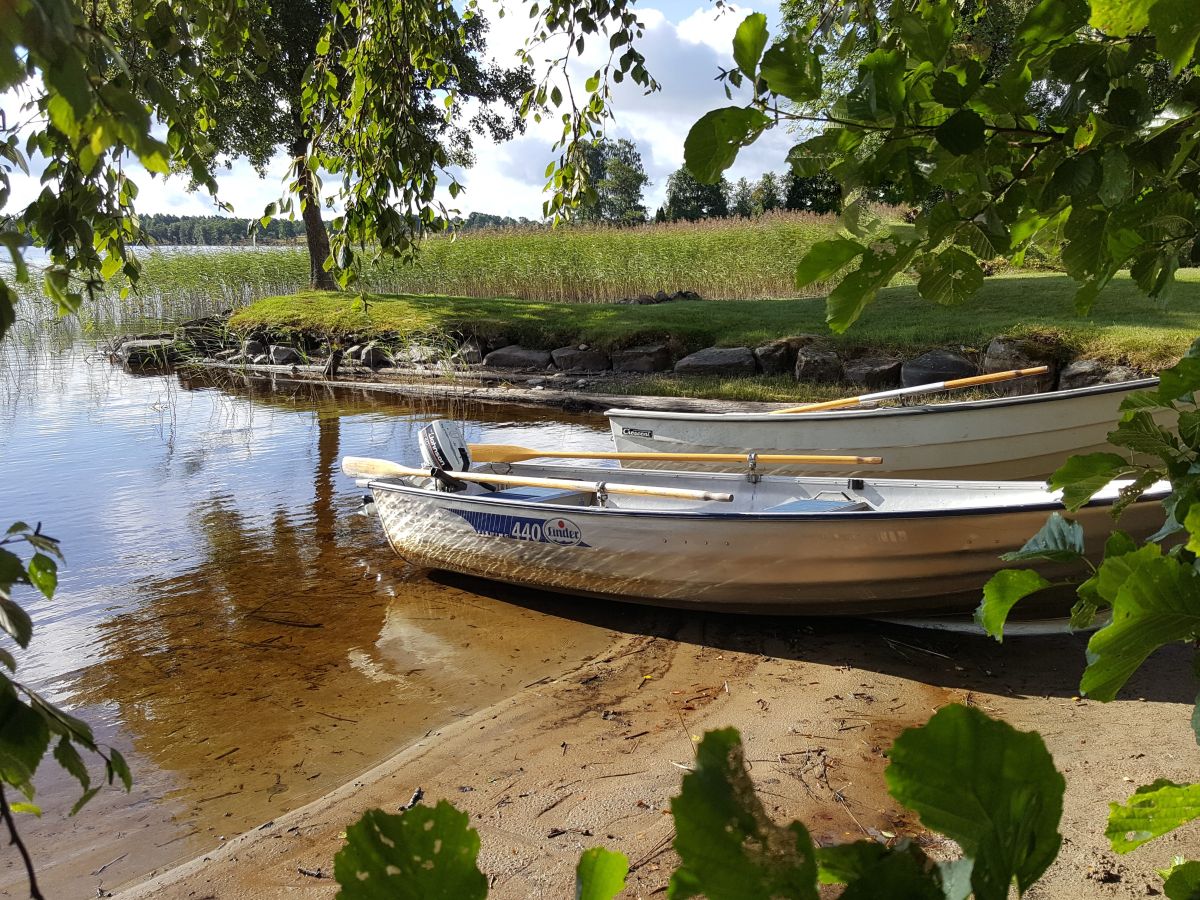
227, 615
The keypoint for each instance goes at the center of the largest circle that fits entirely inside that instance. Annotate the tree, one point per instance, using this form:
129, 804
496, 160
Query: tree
767, 194
618, 179
256, 116
741, 199
692, 200
818, 193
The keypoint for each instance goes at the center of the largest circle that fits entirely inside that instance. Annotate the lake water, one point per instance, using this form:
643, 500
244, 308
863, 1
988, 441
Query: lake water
226, 616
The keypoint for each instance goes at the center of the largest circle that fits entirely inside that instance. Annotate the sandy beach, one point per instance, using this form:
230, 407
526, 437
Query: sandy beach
593, 756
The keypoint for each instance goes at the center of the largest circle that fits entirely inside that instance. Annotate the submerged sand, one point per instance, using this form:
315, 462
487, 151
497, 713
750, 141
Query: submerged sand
592, 757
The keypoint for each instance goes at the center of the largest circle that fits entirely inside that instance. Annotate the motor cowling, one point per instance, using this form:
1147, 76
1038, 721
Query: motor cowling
444, 447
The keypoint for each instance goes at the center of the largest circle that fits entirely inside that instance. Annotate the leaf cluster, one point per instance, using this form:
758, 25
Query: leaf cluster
977, 780
1077, 120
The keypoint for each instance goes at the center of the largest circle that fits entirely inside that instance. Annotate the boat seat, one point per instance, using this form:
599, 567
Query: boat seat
815, 505
541, 495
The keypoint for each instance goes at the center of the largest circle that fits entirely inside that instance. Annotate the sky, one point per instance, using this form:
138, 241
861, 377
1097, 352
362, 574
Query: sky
685, 43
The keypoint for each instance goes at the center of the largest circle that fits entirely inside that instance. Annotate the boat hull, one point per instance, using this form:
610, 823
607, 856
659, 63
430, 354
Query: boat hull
1001, 438
842, 563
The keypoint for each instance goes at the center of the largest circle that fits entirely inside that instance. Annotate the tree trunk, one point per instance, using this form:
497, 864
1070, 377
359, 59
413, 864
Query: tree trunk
315, 234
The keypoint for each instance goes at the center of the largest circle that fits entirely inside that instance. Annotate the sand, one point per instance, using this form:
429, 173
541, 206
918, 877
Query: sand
592, 757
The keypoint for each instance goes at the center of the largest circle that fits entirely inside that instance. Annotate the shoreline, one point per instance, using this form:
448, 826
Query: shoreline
593, 756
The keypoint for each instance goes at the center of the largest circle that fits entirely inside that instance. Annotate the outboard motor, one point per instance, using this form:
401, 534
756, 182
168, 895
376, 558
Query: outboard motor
443, 447
444, 450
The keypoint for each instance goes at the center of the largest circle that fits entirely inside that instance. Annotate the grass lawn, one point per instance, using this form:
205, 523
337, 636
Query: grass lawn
1124, 326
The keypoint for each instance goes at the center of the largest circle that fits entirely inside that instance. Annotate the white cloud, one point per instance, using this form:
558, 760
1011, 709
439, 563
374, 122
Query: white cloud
685, 43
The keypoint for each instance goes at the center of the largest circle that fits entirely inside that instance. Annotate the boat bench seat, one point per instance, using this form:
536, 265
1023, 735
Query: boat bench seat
816, 505
543, 495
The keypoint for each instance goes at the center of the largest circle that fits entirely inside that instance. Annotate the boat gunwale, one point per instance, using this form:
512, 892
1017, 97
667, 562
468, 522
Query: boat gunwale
884, 411
1149, 496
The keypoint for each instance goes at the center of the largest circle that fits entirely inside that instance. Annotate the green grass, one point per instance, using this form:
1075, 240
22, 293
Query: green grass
1124, 326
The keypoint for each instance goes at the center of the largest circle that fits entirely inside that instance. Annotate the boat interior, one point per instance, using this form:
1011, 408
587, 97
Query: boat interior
754, 493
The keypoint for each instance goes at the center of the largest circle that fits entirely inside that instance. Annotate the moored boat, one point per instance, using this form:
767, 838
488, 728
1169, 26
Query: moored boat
998, 438
765, 544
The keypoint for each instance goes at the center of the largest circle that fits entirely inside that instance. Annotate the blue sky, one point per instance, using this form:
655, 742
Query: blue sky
685, 43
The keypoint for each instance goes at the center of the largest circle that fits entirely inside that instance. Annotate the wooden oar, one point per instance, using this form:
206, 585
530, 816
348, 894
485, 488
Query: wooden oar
365, 467
951, 385
510, 453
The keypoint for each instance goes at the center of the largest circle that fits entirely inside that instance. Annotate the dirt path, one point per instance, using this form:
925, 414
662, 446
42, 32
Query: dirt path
594, 757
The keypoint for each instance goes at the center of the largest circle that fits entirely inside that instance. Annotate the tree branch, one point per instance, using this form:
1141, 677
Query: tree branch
6, 813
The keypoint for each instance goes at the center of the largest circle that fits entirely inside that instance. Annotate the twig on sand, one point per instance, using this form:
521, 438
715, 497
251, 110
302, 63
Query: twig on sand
554, 804
311, 873
109, 863
413, 800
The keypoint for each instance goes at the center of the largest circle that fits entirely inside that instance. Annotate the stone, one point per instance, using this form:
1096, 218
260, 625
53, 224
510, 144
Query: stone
1087, 372
1013, 353
284, 356
419, 355
514, 356
661, 297
253, 348
643, 300
936, 365
718, 361
818, 365
470, 353
153, 353
643, 358
874, 372
578, 360
777, 357
375, 357
207, 335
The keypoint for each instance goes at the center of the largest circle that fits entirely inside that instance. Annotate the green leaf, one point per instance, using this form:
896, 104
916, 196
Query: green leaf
962, 133
1059, 540
12, 570
1180, 380
1050, 21
1139, 432
1156, 602
989, 787
1082, 475
825, 259
600, 874
748, 43
847, 301
1196, 719
24, 738
1115, 177
1183, 882
843, 863
871, 870
26, 808
68, 757
927, 31
950, 277
118, 767
84, 799
421, 854
1152, 811
1176, 28
714, 141
1120, 18
1001, 594
15, 621
729, 849
792, 68
43, 574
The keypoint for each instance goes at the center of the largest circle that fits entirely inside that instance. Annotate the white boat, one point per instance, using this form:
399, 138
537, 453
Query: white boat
998, 438
779, 545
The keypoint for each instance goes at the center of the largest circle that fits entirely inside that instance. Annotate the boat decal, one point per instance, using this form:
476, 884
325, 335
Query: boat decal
638, 432
556, 530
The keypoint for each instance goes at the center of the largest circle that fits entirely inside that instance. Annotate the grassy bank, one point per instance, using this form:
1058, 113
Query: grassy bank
1124, 327
719, 259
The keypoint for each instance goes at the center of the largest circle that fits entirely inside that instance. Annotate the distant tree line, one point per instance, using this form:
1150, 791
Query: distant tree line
218, 231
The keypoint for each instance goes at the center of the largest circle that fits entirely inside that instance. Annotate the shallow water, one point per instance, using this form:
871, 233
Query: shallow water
226, 616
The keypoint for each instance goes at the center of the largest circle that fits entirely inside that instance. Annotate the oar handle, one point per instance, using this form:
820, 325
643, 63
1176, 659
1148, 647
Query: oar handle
366, 467
951, 385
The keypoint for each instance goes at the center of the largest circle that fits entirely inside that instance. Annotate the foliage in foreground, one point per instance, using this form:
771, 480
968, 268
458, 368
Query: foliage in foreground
1080, 120
977, 780
1150, 589
29, 724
